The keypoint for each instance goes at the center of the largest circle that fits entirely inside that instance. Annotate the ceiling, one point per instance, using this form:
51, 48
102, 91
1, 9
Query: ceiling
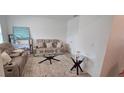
59, 17
56, 17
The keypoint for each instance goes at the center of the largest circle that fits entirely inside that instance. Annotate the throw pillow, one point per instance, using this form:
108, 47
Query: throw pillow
40, 45
59, 45
6, 58
49, 45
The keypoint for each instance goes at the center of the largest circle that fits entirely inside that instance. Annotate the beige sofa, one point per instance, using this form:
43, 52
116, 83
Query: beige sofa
44, 46
18, 62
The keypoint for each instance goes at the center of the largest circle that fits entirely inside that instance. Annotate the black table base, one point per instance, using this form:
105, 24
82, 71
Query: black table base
50, 58
77, 65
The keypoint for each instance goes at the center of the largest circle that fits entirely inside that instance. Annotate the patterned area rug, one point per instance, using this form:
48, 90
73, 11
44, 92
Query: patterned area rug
56, 69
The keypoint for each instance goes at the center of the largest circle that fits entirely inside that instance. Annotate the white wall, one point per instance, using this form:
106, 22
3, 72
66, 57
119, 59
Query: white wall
3, 23
91, 39
72, 30
40, 27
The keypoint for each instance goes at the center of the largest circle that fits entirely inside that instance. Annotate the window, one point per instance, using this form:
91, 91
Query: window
21, 37
21, 33
1, 35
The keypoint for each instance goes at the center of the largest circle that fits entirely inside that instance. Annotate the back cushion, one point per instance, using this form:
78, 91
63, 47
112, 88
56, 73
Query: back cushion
54, 44
7, 47
46, 42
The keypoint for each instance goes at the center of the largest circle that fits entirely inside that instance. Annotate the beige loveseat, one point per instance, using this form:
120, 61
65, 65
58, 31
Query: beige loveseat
18, 62
44, 46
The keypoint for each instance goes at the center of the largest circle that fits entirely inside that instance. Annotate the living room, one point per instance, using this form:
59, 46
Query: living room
66, 46
84, 35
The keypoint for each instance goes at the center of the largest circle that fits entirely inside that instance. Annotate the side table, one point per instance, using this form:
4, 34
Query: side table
77, 65
10, 69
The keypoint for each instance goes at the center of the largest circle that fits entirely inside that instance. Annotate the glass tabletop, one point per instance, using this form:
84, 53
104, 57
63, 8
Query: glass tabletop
49, 54
75, 57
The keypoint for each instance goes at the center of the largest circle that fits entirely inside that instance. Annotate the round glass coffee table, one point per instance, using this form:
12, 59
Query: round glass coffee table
49, 57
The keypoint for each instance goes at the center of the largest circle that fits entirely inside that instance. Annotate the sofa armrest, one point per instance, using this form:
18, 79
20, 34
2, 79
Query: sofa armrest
65, 47
25, 53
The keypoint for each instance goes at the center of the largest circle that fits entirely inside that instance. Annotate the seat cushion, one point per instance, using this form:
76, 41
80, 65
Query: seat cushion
20, 61
18, 50
15, 55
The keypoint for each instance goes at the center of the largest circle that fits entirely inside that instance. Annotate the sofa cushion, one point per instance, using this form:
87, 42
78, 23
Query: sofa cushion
16, 54
49, 45
40, 45
5, 57
49, 50
18, 50
7, 47
54, 44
